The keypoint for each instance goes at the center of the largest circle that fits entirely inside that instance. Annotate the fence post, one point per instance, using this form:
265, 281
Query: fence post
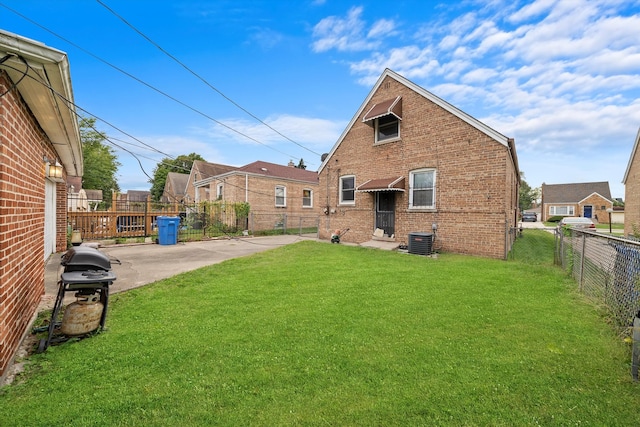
584, 245
635, 354
147, 218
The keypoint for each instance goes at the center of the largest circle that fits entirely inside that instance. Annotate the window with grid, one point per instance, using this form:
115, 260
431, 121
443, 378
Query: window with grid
348, 190
422, 189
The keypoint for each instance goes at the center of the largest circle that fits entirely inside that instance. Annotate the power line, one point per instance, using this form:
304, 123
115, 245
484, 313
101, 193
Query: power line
68, 103
145, 83
202, 79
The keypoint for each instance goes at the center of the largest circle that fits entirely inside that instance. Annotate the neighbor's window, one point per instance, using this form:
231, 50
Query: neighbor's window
281, 196
422, 189
561, 210
348, 190
387, 127
219, 192
307, 198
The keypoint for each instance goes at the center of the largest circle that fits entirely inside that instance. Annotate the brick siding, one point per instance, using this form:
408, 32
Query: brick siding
22, 193
476, 182
259, 192
632, 198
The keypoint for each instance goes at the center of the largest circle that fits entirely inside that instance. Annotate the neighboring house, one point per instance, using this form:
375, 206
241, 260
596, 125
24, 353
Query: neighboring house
631, 183
201, 172
586, 199
80, 199
41, 147
409, 162
175, 187
268, 188
133, 200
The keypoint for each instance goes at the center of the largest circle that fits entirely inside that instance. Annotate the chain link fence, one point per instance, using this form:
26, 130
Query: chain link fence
607, 270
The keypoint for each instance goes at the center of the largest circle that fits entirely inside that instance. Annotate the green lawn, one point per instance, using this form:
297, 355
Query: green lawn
320, 334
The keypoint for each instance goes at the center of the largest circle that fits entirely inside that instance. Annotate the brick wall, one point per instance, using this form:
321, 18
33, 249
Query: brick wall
476, 182
599, 206
632, 198
259, 191
22, 191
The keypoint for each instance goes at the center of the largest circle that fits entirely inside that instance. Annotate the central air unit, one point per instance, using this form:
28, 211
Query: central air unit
420, 243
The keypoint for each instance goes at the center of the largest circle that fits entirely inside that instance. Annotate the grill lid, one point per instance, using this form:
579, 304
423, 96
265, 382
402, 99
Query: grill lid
85, 258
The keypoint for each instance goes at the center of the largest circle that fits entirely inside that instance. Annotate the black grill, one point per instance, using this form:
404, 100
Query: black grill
87, 272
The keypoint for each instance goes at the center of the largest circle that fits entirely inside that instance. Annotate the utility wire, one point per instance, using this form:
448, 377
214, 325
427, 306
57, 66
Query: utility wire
147, 84
202, 79
68, 103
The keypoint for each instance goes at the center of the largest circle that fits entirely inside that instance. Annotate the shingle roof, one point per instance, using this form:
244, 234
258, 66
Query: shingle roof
178, 182
280, 171
208, 170
573, 193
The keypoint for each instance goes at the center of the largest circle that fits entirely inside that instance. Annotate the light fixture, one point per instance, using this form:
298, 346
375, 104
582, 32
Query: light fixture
52, 170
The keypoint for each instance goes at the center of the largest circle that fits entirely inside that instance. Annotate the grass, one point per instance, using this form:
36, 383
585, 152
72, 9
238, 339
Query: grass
319, 334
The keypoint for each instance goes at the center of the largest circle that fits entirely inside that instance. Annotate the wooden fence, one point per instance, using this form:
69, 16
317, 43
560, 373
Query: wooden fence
121, 220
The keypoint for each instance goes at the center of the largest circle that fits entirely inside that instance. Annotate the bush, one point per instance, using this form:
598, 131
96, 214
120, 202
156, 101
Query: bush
556, 218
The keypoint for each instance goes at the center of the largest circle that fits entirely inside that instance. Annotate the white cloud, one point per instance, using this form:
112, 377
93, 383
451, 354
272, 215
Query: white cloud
381, 28
561, 76
534, 9
343, 34
307, 131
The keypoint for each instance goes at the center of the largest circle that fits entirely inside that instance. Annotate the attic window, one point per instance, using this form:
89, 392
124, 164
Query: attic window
385, 117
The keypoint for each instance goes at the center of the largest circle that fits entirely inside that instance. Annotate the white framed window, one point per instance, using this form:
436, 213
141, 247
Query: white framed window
219, 191
562, 210
348, 190
387, 128
307, 198
422, 189
281, 196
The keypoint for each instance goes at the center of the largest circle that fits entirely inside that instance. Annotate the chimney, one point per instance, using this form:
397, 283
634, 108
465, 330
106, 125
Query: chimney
291, 164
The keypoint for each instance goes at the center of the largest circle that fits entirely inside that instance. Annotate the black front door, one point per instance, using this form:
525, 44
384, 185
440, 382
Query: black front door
385, 211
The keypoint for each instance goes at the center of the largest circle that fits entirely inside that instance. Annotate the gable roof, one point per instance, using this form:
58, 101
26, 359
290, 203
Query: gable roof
574, 193
48, 93
497, 136
178, 182
279, 171
634, 151
207, 171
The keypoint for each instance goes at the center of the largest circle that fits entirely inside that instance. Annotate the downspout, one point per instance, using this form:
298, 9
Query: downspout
246, 187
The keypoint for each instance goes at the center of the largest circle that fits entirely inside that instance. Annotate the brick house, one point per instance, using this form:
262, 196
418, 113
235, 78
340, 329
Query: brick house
201, 171
631, 183
39, 147
585, 199
175, 188
274, 192
411, 162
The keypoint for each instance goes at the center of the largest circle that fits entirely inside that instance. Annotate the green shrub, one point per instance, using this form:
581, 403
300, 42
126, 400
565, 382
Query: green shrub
556, 218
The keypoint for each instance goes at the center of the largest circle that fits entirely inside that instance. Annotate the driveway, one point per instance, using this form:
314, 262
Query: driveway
538, 224
147, 263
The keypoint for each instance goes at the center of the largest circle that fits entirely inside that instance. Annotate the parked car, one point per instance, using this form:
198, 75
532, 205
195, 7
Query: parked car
576, 222
529, 216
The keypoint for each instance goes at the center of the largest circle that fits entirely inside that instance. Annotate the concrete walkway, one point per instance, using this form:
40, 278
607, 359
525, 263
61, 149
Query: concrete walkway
141, 264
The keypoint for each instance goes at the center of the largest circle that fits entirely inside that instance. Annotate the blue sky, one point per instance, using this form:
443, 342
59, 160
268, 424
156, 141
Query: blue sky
561, 77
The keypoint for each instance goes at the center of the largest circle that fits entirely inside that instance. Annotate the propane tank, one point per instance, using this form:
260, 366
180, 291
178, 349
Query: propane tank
82, 316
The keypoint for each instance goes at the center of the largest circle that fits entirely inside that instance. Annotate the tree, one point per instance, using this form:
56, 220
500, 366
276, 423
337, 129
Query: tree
100, 161
181, 164
301, 164
528, 195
